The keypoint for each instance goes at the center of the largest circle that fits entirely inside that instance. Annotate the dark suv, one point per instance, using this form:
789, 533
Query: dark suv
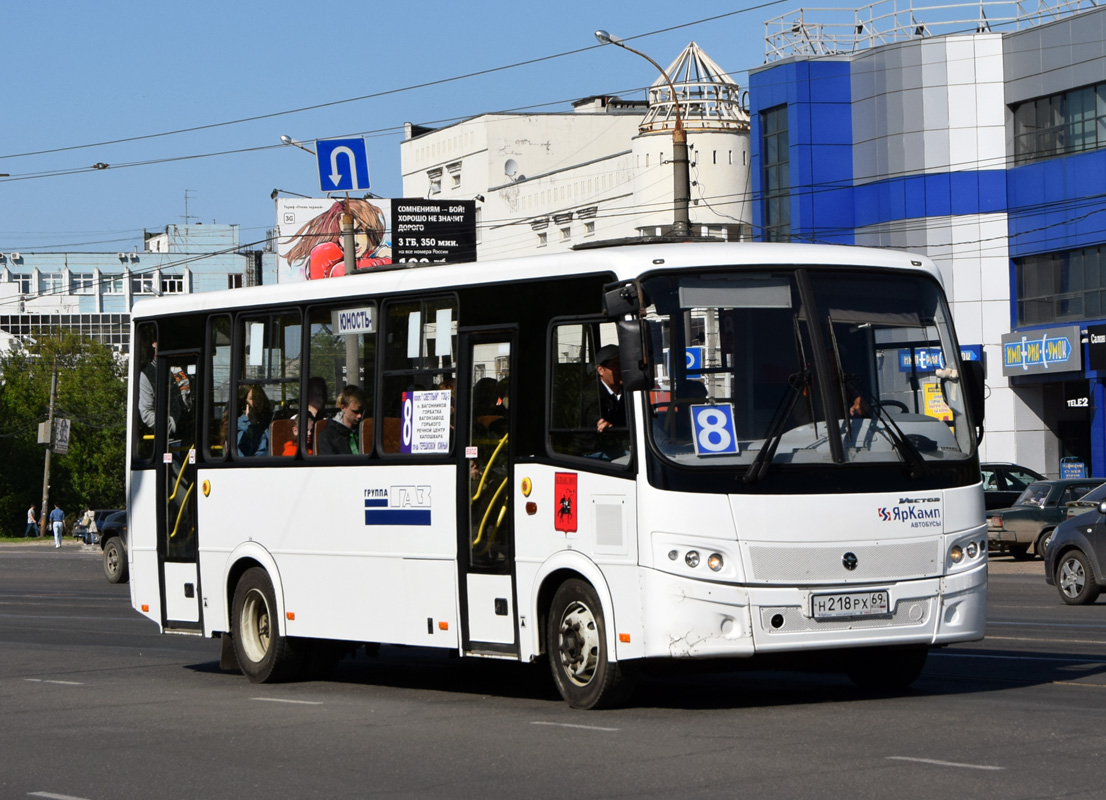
113, 541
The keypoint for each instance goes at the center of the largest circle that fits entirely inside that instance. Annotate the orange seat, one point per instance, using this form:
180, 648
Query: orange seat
280, 432
393, 428
366, 435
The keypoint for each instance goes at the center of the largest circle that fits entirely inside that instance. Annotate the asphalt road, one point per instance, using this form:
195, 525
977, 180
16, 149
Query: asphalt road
95, 704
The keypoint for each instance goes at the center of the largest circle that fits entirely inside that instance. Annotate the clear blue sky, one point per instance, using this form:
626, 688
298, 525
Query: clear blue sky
81, 73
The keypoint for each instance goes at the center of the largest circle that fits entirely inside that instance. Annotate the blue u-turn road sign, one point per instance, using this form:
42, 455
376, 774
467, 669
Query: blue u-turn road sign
343, 165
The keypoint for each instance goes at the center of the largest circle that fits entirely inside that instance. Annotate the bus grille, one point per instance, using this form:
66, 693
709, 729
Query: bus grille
907, 612
875, 561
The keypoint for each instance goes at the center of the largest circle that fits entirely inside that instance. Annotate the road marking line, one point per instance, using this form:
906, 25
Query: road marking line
943, 763
62, 683
1077, 683
581, 727
1050, 625
1088, 662
1042, 641
293, 702
52, 796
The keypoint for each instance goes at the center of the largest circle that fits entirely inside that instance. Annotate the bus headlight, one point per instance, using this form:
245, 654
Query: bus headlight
692, 558
956, 553
972, 549
715, 562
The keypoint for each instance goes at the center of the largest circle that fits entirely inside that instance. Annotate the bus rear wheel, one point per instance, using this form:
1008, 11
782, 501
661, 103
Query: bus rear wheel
263, 654
576, 639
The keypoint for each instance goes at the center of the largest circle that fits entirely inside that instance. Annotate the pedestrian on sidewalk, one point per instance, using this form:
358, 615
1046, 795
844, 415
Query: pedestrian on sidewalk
32, 522
57, 522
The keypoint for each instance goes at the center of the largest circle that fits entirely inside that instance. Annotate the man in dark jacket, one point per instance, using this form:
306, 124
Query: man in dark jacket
340, 434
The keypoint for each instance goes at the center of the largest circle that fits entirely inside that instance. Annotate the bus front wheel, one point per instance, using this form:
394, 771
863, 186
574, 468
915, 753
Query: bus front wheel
576, 639
263, 654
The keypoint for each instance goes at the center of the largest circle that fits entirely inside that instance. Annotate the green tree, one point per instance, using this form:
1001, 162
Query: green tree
91, 394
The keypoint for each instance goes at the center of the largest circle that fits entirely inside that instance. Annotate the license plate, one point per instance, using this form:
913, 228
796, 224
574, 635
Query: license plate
851, 604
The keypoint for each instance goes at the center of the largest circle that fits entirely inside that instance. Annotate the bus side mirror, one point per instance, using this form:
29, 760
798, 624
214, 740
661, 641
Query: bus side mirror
972, 380
632, 355
622, 304
621, 300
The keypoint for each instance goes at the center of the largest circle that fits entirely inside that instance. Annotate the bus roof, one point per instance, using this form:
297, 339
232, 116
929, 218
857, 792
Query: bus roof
625, 262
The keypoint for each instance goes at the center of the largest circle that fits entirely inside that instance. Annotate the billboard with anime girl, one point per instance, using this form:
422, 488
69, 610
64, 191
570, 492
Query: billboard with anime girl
385, 231
309, 245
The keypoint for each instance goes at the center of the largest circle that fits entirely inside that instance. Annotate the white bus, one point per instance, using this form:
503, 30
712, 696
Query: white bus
796, 468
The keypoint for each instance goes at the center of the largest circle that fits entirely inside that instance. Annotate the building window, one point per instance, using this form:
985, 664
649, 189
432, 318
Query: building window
172, 284
566, 234
777, 178
1059, 124
1061, 287
113, 284
50, 283
589, 229
81, 282
434, 176
24, 282
543, 240
454, 174
234, 281
142, 284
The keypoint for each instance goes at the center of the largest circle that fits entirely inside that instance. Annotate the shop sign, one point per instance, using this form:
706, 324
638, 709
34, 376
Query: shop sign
1042, 351
1096, 346
1077, 395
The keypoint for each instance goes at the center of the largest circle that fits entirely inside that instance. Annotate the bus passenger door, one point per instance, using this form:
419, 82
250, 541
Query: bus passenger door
486, 549
178, 389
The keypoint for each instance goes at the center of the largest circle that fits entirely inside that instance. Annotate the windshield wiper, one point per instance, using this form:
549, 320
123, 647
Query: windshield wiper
798, 386
910, 455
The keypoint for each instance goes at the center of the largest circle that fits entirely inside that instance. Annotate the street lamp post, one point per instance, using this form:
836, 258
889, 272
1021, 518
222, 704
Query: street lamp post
681, 178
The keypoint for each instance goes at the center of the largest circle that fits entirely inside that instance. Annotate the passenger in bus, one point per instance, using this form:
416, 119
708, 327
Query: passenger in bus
339, 436
612, 406
147, 397
253, 425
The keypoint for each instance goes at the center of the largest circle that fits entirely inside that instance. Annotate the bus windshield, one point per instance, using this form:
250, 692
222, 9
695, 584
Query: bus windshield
789, 366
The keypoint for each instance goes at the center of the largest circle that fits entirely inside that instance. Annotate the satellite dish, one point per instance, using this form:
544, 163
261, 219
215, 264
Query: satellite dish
510, 168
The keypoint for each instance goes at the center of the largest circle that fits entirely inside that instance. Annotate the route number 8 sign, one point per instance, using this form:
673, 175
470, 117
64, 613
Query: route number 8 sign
713, 430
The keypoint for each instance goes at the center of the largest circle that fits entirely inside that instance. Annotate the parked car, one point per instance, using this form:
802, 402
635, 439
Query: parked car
1004, 483
113, 543
1088, 502
1075, 560
1036, 513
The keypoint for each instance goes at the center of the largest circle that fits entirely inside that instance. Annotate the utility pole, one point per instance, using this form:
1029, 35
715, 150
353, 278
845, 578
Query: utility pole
49, 447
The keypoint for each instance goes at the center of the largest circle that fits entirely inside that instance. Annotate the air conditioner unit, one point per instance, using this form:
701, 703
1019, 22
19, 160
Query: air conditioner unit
17, 256
2, 256
121, 256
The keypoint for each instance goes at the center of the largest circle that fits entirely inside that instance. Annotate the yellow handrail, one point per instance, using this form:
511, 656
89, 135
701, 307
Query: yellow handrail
183, 505
484, 476
488, 510
180, 476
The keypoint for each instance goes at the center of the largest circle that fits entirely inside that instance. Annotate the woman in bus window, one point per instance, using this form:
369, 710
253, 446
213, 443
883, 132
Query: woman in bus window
253, 425
319, 242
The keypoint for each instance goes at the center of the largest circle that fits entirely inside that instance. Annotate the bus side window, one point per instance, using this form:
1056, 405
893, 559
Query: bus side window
341, 352
145, 352
218, 386
575, 393
268, 385
420, 356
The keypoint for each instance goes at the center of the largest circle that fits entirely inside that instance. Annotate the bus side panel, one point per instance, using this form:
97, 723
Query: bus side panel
142, 558
599, 525
363, 554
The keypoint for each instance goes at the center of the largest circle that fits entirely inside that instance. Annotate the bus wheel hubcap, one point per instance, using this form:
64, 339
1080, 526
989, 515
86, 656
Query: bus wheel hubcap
579, 645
